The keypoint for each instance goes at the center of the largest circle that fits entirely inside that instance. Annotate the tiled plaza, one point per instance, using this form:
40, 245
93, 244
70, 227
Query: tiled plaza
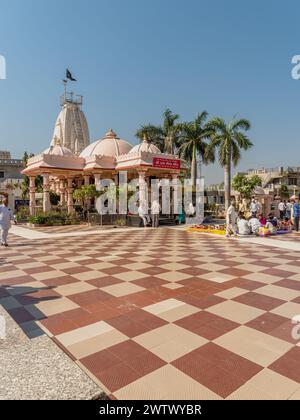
163, 314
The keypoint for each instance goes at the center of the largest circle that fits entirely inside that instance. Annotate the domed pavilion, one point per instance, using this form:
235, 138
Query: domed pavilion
67, 165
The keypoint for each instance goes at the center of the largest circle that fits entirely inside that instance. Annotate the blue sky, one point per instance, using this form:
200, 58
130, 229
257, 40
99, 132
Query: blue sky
134, 58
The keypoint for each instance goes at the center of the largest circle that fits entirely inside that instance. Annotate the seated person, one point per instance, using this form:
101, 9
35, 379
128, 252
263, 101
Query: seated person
262, 219
285, 224
272, 224
254, 225
243, 225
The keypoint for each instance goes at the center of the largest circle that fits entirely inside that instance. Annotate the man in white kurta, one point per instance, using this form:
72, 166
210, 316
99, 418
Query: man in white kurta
6, 217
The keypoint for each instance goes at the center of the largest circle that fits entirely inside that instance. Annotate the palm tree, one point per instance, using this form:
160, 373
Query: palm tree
230, 139
193, 143
165, 137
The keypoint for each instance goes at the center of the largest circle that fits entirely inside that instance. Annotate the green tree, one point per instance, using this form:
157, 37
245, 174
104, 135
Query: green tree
166, 136
230, 139
85, 194
284, 191
246, 186
193, 143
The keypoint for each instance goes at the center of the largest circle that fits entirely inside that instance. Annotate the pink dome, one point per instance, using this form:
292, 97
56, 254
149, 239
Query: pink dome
57, 149
146, 147
110, 145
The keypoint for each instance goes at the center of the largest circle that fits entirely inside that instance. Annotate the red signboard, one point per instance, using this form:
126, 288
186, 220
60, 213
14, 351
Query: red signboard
164, 163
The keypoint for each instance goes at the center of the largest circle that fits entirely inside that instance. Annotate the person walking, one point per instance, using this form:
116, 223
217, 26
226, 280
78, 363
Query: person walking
296, 214
6, 217
254, 208
288, 211
143, 213
231, 218
155, 211
282, 209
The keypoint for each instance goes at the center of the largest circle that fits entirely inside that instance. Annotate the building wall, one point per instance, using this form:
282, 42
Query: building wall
9, 168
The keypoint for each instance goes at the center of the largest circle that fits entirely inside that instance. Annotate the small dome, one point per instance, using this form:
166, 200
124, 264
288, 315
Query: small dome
57, 149
109, 145
145, 146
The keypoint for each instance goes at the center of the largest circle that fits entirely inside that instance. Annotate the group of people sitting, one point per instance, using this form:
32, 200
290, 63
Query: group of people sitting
240, 224
254, 223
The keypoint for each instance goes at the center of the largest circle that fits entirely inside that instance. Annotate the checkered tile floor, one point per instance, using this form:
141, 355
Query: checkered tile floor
67, 229
162, 314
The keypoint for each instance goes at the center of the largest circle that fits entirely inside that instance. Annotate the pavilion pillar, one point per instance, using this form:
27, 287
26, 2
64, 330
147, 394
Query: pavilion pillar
70, 195
116, 178
86, 183
57, 187
62, 190
32, 189
176, 202
46, 193
143, 196
97, 181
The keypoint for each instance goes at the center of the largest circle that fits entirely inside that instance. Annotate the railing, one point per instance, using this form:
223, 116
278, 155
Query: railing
11, 162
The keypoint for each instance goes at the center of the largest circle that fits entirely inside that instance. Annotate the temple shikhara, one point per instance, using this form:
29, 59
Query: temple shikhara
72, 161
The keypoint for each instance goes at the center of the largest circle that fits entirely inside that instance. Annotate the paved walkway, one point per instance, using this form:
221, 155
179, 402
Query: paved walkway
163, 314
39, 370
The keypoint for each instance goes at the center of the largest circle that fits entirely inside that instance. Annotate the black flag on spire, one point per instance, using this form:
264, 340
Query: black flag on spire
69, 76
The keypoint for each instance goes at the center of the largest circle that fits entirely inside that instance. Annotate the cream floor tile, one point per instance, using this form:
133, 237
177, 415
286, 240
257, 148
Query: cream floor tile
55, 306
84, 333
295, 277
232, 293
63, 266
270, 382
288, 309
166, 305
74, 288
137, 266
212, 267
175, 259
30, 265
235, 311
169, 383
295, 396
242, 260
217, 277
173, 286
250, 267
278, 292
173, 276
48, 275
122, 289
11, 274
182, 344
278, 260
130, 276
160, 335
248, 392
89, 275
173, 266
100, 266
180, 312
262, 277
288, 267
98, 343
256, 346
47, 258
